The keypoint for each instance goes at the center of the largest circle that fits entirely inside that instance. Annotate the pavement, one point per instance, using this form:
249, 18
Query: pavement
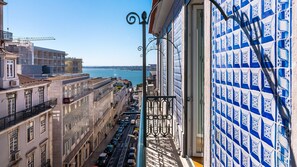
94, 156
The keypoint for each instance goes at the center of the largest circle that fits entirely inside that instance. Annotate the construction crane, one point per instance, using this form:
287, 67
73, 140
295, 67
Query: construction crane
27, 39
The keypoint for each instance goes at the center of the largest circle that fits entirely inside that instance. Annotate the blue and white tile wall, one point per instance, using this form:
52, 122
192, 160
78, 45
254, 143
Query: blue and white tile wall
250, 114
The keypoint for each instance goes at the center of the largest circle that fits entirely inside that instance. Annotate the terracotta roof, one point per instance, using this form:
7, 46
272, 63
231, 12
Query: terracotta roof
28, 81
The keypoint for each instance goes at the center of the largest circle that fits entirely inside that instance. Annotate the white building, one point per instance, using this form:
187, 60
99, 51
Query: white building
71, 137
24, 112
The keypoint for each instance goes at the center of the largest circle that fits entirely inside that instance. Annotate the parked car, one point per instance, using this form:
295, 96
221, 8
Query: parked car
118, 136
131, 163
132, 150
135, 132
132, 122
126, 123
120, 130
114, 141
131, 156
102, 160
109, 149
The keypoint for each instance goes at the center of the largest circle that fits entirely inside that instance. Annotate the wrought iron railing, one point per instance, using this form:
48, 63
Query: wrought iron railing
47, 163
20, 116
5, 35
159, 117
85, 92
158, 120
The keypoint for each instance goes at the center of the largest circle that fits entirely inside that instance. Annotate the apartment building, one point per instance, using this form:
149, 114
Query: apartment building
24, 50
230, 66
71, 137
102, 111
73, 65
24, 112
52, 61
24, 117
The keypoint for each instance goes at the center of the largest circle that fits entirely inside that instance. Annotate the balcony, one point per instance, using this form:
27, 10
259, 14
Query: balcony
68, 100
156, 146
47, 163
23, 115
5, 35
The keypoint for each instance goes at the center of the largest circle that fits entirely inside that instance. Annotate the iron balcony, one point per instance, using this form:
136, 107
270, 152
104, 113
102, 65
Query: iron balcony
13, 119
157, 140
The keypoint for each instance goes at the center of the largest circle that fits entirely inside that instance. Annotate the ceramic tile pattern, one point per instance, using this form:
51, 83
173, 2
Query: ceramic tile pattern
250, 113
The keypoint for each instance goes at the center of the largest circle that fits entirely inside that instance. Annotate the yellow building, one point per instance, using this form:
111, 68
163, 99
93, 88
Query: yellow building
73, 65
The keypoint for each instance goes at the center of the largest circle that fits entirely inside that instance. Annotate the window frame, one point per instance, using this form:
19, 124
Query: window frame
30, 131
30, 160
42, 124
10, 68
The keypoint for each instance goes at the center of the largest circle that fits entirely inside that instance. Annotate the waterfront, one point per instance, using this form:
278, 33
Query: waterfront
134, 76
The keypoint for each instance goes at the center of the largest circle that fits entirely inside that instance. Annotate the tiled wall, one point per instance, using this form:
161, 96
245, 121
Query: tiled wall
250, 114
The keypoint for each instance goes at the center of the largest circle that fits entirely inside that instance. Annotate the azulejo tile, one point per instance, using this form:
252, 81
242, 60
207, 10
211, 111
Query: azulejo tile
229, 94
256, 79
282, 5
236, 153
223, 124
245, 99
230, 130
268, 57
268, 8
255, 59
236, 115
255, 10
223, 157
255, 148
268, 156
223, 43
283, 24
229, 42
245, 159
224, 93
229, 6
244, 40
268, 132
224, 141
283, 53
269, 84
245, 141
230, 112
245, 61
236, 96
283, 82
268, 29
224, 109
230, 147
256, 33
255, 125
230, 59
255, 163
229, 161
223, 76
256, 102
245, 79
236, 38
229, 25
230, 77
236, 77
236, 135
268, 106
223, 60
245, 120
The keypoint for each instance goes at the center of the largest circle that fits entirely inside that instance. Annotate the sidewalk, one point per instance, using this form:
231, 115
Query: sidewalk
94, 156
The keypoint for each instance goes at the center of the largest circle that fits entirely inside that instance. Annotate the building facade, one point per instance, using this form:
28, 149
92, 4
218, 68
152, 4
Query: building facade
24, 117
230, 66
52, 61
102, 110
73, 65
71, 137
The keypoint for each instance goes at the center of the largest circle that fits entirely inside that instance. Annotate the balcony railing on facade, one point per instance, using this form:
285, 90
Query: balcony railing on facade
68, 100
13, 119
47, 163
5, 35
156, 141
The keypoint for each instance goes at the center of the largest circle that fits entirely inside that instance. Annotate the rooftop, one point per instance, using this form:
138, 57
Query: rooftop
67, 76
28, 81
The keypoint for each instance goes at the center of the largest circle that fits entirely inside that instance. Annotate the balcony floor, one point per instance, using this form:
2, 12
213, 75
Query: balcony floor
161, 152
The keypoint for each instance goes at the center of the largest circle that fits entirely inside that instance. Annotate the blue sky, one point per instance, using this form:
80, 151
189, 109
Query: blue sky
95, 30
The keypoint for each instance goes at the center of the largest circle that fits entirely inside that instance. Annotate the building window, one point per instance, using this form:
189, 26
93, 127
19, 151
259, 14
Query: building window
42, 124
13, 141
10, 68
31, 160
41, 94
30, 131
43, 155
11, 103
28, 98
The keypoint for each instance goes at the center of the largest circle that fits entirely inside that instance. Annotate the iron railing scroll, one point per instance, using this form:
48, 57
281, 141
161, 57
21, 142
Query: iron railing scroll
159, 117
